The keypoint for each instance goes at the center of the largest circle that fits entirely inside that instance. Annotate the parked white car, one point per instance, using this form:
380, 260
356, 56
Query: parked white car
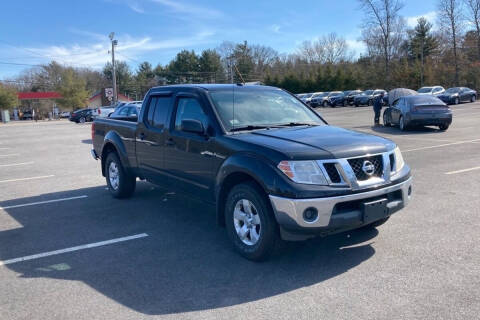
435, 90
104, 112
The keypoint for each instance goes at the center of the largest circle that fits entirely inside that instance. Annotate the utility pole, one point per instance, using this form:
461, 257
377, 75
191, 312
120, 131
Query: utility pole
114, 74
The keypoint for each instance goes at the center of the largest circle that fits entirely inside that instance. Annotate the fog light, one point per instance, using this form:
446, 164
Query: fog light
310, 214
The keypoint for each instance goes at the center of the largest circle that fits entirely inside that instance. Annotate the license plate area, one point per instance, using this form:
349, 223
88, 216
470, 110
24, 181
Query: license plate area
374, 210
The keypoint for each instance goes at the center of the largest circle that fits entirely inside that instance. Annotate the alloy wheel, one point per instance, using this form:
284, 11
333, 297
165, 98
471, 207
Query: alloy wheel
113, 175
247, 222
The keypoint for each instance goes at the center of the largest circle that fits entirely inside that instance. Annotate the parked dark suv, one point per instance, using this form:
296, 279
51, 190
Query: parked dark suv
367, 97
350, 95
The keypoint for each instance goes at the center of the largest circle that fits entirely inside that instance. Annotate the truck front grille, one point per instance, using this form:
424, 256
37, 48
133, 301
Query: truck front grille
357, 164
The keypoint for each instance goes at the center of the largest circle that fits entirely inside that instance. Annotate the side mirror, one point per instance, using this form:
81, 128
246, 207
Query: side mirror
192, 126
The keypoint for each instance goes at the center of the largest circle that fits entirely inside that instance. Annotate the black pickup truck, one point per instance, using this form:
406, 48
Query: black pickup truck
272, 166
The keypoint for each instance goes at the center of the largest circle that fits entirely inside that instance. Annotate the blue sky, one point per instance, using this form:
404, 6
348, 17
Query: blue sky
75, 32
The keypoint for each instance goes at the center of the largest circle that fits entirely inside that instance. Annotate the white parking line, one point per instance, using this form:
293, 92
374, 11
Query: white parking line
462, 171
4, 148
16, 164
43, 202
441, 145
25, 179
9, 155
77, 248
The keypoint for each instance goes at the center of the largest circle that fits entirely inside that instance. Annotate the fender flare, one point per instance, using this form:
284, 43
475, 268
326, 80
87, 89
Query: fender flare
245, 167
113, 139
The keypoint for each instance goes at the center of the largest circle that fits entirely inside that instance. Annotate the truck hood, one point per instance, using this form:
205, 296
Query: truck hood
319, 142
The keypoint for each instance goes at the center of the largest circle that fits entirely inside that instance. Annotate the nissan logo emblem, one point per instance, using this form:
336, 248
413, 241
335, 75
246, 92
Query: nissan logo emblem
368, 168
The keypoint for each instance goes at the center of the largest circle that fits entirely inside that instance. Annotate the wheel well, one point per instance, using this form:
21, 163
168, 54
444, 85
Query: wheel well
228, 183
109, 147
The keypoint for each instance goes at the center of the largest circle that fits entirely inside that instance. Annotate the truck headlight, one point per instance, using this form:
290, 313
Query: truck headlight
307, 172
399, 163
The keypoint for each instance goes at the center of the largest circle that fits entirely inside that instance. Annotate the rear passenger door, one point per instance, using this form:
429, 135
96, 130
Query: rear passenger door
188, 156
150, 137
396, 110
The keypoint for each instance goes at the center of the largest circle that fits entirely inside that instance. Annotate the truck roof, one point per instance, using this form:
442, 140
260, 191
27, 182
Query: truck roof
213, 86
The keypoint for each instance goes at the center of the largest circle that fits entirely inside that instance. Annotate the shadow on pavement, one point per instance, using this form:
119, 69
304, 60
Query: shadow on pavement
186, 263
397, 132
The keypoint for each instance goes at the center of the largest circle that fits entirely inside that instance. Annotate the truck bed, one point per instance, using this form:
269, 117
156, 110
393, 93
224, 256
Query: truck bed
107, 129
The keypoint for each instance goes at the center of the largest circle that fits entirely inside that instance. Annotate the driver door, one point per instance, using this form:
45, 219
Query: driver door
188, 156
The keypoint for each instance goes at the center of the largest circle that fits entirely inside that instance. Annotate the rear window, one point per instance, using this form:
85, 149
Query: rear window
158, 109
425, 100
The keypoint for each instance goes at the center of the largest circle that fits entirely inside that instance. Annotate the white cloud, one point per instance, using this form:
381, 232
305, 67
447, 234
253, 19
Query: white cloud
135, 6
356, 46
274, 28
430, 16
190, 9
97, 54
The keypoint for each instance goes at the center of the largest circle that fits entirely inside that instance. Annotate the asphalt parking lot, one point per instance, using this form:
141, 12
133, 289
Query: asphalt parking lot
70, 251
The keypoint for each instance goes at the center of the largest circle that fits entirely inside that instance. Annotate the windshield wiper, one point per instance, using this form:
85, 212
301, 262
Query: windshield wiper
296, 124
249, 127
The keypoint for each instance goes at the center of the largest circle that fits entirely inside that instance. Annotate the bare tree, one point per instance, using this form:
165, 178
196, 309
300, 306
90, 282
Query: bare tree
383, 29
451, 22
328, 49
473, 8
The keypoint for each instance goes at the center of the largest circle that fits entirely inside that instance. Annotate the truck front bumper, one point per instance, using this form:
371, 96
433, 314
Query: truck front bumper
335, 214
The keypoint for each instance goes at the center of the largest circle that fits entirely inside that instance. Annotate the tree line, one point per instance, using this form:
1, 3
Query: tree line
441, 52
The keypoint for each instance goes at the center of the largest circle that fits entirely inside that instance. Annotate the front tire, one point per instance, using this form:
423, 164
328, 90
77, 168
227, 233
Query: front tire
121, 183
370, 103
402, 124
457, 101
473, 98
82, 120
325, 104
250, 222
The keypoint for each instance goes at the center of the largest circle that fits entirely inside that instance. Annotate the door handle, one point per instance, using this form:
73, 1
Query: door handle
142, 136
170, 142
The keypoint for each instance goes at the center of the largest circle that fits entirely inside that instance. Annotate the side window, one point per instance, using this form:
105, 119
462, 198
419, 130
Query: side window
189, 108
123, 112
151, 110
161, 111
132, 111
395, 104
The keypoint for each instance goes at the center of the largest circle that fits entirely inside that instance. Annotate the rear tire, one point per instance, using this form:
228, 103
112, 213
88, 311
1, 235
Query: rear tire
82, 120
473, 98
345, 103
457, 101
370, 103
325, 104
121, 183
386, 120
250, 222
356, 105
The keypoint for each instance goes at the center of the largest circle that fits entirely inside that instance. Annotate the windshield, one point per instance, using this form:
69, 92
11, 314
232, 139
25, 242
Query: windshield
425, 90
266, 107
452, 90
367, 93
334, 94
308, 95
